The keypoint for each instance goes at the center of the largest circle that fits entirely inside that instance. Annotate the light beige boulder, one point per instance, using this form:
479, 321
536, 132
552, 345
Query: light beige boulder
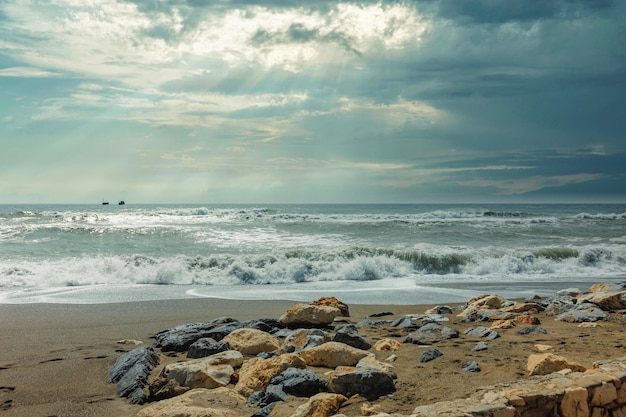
309, 314
524, 307
547, 363
574, 403
252, 341
256, 373
387, 345
607, 300
332, 355
221, 402
211, 372
321, 405
370, 361
487, 301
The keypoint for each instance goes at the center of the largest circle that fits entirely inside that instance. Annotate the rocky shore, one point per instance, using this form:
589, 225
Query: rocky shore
563, 355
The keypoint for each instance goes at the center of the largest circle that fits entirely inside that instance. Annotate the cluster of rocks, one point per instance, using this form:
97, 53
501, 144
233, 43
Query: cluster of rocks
313, 351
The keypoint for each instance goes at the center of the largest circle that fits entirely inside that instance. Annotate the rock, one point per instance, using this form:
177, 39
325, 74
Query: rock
574, 402
487, 301
265, 411
547, 363
434, 318
220, 402
164, 388
470, 366
373, 323
211, 372
607, 301
381, 314
481, 331
206, 347
430, 355
387, 345
309, 314
265, 325
607, 287
179, 338
532, 329
480, 346
439, 310
320, 405
368, 382
256, 373
526, 319
349, 335
524, 307
301, 339
333, 302
582, 313
502, 324
332, 355
299, 382
131, 371
405, 322
251, 341
543, 348
431, 333
129, 342
370, 361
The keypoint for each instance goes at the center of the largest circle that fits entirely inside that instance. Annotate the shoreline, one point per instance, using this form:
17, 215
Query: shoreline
55, 358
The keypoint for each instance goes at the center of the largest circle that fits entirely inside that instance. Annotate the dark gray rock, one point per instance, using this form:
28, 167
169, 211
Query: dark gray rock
431, 333
430, 355
480, 346
131, 371
482, 331
349, 335
206, 347
314, 337
373, 323
299, 382
265, 411
381, 314
470, 366
266, 325
442, 310
370, 383
405, 322
532, 329
179, 338
434, 318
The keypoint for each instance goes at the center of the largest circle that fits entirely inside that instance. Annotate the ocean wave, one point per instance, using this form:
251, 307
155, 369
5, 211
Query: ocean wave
308, 265
601, 216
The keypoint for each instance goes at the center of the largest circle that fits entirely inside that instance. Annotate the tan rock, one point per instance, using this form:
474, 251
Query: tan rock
321, 405
211, 372
547, 363
543, 348
603, 395
574, 403
502, 324
221, 402
333, 302
332, 355
524, 307
309, 314
387, 345
368, 409
256, 373
608, 300
527, 319
487, 301
252, 341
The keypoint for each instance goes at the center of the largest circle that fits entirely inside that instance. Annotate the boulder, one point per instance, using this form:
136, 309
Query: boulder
470, 366
299, 382
370, 361
333, 302
487, 301
430, 355
266, 325
483, 332
582, 313
524, 307
131, 371
405, 322
211, 372
349, 335
547, 363
368, 382
251, 341
320, 405
332, 355
480, 346
532, 329
607, 301
206, 347
309, 314
301, 339
221, 402
164, 388
431, 333
179, 338
256, 373
502, 324
387, 345
439, 310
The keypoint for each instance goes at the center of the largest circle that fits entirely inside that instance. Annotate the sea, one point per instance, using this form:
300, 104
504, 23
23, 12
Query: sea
366, 254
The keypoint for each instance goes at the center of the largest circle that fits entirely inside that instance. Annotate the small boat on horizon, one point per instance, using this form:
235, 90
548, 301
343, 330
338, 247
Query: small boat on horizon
121, 203
105, 203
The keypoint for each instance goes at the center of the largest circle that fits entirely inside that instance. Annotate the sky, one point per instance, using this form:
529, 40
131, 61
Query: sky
293, 101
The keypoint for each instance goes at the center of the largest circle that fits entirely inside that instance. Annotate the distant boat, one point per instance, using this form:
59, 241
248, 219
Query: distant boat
121, 203
105, 203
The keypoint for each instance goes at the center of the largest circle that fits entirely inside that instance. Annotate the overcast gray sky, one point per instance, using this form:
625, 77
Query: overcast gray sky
198, 101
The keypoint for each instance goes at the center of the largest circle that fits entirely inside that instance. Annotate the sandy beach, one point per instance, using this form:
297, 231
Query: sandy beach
55, 358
